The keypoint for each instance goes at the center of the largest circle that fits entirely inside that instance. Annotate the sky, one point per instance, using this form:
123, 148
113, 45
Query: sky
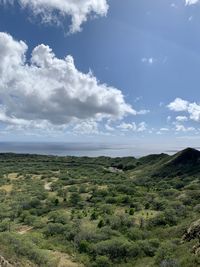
101, 71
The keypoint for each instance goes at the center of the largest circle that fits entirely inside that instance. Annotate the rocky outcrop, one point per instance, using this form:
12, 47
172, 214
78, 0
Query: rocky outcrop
193, 232
4, 262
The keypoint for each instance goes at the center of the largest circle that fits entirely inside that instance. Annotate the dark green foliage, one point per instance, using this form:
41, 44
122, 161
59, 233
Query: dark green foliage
116, 249
75, 198
102, 261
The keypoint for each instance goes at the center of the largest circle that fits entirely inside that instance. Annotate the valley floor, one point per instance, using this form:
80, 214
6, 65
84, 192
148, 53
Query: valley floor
97, 212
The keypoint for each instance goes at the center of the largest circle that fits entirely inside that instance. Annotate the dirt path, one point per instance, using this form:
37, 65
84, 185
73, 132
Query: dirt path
66, 260
47, 186
24, 229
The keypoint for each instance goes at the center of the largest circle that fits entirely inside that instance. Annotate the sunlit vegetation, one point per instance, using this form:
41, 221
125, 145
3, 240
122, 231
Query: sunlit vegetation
99, 212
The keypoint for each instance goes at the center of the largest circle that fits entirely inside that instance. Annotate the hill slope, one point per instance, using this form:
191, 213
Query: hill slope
81, 211
185, 162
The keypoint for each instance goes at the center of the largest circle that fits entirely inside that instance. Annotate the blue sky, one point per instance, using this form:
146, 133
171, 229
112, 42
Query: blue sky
132, 75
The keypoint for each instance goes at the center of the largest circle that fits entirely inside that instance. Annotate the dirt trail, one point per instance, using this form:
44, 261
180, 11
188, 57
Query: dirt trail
47, 186
66, 261
24, 229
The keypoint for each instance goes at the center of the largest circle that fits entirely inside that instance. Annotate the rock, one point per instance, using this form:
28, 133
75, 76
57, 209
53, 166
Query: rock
4, 262
193, 232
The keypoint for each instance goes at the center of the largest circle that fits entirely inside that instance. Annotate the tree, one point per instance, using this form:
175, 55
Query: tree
94, 216
102, 261
56, 201
100, 224
58, 217
131, 211
75, 198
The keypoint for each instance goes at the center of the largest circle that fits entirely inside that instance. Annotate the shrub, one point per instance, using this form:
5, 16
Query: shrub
165, 253
102, 261
148, 247
116, 249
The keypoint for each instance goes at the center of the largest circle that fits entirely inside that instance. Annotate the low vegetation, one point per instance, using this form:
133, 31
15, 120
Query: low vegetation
99, 212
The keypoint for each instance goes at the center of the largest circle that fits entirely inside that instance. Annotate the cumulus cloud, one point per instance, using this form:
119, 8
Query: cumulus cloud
47, 91
109, 128
193, 109
143, 112
191, 2
55, 10
181, 118
127, 126
164, 129
178, 105
182, 128
141, 127
86, 127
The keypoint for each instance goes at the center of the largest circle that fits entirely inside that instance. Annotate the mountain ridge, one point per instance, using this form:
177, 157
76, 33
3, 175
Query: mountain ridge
186, 161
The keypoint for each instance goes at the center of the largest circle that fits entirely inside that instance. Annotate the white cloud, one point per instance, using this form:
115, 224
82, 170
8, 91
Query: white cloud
53, 11
191, 2
143, 112
51, 91
141, 127
193, 109
164, 129
109, 128
181, 118
127, 126
178, 105
149, 60
182, 128
152, 60
86, 127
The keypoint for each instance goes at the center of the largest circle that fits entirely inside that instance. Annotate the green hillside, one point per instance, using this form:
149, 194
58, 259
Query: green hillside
99, 212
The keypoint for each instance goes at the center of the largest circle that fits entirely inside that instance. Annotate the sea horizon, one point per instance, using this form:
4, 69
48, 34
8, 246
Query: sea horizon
81, 149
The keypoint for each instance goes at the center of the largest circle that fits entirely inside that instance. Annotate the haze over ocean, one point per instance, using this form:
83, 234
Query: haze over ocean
80, 149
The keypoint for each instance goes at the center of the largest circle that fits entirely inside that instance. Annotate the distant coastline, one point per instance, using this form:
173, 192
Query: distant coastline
79, 149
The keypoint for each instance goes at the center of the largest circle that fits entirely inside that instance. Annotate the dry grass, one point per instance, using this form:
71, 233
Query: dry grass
23, 229
36, 176
47, 186
12, 176
66, 260
102, 187
8, 187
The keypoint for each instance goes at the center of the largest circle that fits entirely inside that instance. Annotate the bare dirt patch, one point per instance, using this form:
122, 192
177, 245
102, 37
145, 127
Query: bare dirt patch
47, 186
12, 176
36, 176
8, 187
66, 260
23, 229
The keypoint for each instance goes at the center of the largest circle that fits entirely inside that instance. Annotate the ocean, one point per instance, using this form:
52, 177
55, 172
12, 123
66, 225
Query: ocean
75, 149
